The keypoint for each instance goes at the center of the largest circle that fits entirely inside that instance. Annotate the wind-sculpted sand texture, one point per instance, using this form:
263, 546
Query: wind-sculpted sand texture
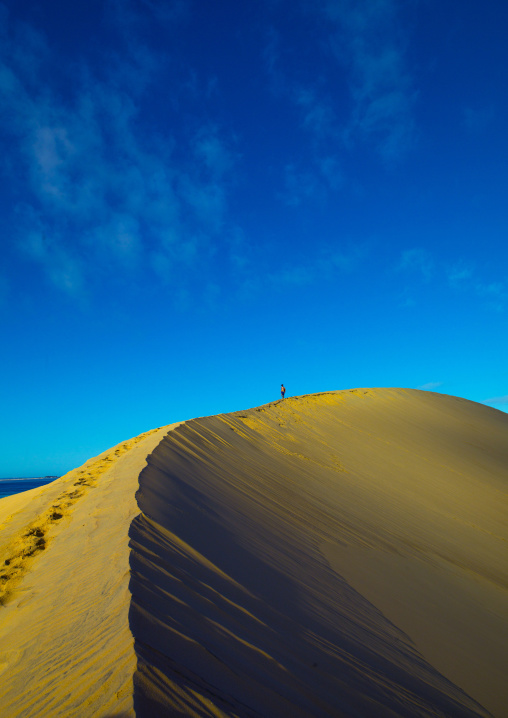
341, 554
337, 554
65, 645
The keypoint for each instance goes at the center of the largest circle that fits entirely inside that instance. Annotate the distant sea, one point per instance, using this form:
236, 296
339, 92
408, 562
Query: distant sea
8, 487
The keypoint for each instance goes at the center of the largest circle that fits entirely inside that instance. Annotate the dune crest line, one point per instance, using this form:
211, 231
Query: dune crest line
65, 645
244, 598
336, 554
34, 537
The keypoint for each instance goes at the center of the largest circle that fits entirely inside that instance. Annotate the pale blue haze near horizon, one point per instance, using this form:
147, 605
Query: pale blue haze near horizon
202, 200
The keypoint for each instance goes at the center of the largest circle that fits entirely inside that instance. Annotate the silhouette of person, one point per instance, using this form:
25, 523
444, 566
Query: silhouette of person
282, 390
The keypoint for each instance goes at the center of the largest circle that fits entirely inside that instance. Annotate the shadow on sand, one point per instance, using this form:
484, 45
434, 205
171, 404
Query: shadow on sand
246, 623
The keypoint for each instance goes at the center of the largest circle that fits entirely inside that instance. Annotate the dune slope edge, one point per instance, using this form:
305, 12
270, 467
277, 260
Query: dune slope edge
341, 554
66, 650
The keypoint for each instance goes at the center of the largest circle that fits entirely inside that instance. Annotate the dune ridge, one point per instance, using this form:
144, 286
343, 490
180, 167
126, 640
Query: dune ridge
65, 644
252, 524
336, 554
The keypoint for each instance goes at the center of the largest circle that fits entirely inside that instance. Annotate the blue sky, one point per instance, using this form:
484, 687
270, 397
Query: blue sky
200, 201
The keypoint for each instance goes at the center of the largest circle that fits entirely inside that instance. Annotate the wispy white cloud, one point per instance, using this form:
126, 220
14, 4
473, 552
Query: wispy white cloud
302, 186
430, 386
459, 274
497, 400
62, 267
364, 93
371, 44
129, 17
215, 156
494, 289
330, 263
312, 182
346, 259
406, 300
318, 115
463, 276
417, 260
493, 293
295, 276
330, 169
271, 59
103, 190
314, 102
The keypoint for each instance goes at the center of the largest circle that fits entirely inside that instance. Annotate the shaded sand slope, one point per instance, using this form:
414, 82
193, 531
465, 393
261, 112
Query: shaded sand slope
65, 645
341, 554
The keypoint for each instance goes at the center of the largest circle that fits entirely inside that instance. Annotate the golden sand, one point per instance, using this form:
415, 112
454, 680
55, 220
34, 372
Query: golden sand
65, 644
338, 554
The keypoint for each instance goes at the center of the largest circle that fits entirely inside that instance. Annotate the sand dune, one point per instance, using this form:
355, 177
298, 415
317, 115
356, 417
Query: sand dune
65, 644
339, 554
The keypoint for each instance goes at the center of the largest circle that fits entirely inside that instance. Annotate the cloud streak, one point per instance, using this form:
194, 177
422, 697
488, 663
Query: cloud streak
105, 188
499, 400
461, 276
362, 97
367, 41
430, 386
330, 263
417, 260
370, 42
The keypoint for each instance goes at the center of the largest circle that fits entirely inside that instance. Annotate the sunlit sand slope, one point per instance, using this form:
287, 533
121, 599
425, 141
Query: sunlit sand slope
66, 650
341, 554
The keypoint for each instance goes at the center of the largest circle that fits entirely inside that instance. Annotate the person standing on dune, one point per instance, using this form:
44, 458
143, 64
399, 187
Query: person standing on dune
282, 390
